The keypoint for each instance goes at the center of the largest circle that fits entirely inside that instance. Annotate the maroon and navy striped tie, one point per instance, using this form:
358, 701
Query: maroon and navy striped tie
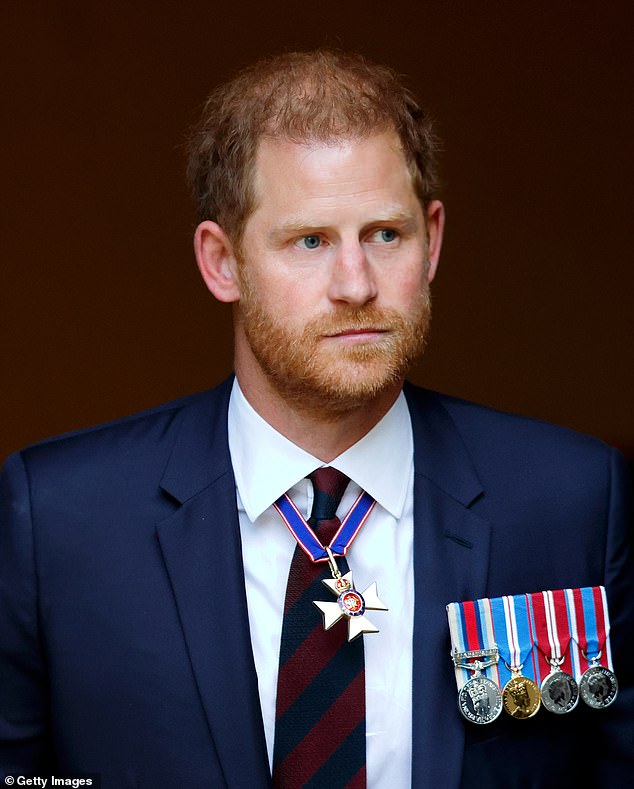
320, 709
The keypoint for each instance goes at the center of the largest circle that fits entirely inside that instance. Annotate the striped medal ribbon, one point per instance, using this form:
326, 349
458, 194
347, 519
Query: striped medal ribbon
559, 689
344, 536
475, 656
514, 629
351, 603
590, 629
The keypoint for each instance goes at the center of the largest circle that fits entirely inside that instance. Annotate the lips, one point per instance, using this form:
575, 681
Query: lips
370, 330
349, 330
358, 335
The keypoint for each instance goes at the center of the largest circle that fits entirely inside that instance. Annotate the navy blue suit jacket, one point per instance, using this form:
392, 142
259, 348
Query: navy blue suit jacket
124, 636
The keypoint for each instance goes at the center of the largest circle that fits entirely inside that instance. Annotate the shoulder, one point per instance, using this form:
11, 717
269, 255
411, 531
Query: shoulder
542, 488
509, 446
491, 427
134, 441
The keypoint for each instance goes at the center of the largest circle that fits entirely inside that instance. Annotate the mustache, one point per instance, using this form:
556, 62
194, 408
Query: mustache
355, 319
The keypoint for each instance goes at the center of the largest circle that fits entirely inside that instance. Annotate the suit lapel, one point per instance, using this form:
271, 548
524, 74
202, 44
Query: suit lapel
202, 553
451, 557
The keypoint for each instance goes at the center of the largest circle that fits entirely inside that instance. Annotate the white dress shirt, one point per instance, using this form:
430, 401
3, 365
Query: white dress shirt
266, 465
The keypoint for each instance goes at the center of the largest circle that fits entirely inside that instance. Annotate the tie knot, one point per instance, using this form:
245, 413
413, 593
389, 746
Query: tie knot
329, 486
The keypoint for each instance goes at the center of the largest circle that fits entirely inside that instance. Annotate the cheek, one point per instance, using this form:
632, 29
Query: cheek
403, 289
280, 302
297, 295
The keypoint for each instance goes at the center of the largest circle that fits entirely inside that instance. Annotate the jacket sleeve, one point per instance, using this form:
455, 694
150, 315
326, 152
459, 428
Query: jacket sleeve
619, 568
614, 748
24, 709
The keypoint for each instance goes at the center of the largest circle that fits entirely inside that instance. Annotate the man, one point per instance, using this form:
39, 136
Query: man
146, 567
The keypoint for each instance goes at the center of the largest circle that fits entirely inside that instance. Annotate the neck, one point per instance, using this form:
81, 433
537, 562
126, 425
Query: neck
324, 435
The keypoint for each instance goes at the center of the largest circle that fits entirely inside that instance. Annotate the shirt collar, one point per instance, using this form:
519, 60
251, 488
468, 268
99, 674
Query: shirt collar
266, 464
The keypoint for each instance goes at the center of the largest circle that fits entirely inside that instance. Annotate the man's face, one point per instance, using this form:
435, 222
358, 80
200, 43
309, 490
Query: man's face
334, 272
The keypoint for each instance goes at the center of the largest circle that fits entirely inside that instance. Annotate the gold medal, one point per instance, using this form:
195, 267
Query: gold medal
521, 697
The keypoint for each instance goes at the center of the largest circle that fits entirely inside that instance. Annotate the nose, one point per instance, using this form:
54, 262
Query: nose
352, 278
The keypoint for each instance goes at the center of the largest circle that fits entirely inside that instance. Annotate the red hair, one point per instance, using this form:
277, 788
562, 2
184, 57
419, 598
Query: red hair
322, 95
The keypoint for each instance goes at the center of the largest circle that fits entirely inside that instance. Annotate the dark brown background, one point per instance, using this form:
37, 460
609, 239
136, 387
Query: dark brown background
102, 309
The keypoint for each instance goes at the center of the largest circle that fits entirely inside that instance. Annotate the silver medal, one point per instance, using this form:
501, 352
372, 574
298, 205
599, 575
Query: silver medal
479, 699
560, 692
598, 687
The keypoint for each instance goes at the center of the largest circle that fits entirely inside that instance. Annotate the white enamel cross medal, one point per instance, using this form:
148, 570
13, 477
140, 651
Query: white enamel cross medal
350, 603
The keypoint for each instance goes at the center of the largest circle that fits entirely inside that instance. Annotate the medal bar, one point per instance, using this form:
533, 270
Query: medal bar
542, 649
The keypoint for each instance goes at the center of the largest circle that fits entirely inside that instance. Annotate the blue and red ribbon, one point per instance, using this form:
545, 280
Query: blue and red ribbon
306, 537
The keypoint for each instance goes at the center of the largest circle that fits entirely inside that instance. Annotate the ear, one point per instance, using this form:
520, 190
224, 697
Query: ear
216, 261
435, 227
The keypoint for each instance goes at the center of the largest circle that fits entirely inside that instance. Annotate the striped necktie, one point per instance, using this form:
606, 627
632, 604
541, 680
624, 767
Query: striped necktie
320, 710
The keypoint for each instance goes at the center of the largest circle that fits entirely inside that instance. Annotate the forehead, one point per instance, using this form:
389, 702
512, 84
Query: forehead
316, 175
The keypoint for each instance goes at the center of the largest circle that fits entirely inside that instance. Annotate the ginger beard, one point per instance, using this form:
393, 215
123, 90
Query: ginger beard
318, 375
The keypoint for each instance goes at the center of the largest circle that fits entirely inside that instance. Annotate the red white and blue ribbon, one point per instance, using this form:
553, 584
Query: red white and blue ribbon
515, 636
527, 629
590, 628
552, 631
471, 629
306, 537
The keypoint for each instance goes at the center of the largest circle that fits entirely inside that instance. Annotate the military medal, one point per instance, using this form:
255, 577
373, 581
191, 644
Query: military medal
553, 648
598, 686
560, 692
521, 696
479, 697
559, 689
351, 604
511, 618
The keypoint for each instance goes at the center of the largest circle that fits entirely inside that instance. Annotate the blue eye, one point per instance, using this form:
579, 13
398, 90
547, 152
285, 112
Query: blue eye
310, 242
388, 235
